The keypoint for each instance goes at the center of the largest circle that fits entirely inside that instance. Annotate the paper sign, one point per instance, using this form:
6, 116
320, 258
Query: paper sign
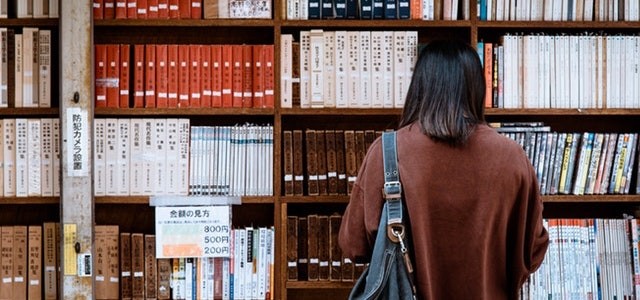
193, 231
77, 144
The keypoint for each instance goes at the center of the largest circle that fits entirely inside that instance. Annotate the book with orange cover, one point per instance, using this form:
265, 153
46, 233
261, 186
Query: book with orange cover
227, 75
112, 266
150, 76
216, 75
195, 73
113, 75
138, 76
137, 265
152, 9
6, 262
298, 163
292, 248
196, 9
258, 75
313, 230
247, 75
172, 75
287, 164
205, 75
98, 9
126, 291
20, 235
321, 160
269, 76
109, 8
183, 75
174, 9
488, 77
162, 72
100, 261
121, 9
312, 162
150, 267
335, 253
237, 68
100, 89
132, 9
142, 9
184, 9
34, 263
163, 9
125, 62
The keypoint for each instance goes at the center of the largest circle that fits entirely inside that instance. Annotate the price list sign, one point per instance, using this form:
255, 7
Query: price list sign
193, 231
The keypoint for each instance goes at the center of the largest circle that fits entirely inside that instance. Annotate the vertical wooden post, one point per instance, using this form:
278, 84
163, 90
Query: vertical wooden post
76, 120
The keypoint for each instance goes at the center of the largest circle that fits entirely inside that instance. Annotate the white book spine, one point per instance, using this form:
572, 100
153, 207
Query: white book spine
316, 66
365, 70
160, 151
19, 81
4, 71
353, 69
286, 71
412, 58
329, 88
305, 69
340, 49
123, 161
173, 155
21, 158
2, 173
57, 181
53, 9
4, 9
111, 157
30, 66
148, 148
99, 157
46, 157
183, 159
378, 57
136, 156
387, 69
44, 67
399, 68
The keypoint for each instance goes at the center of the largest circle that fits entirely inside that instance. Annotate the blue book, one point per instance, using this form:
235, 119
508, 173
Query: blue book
340, 9
314, 9
378, 9
352, 9
327, 9
404, 9
390, 9
366, 9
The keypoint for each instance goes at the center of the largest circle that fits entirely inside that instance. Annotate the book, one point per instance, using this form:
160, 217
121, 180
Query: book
6, 262
298, 162
150, 267
335, 253
34, 262
126, 289
100, 84
161, 76
9, 156
137, 266
46, 157
150, 76
183, 76
321, 161
164, 278
324, 254
287, 162
351, 159
30, 63
292, 248
313, 232
44, 68
20, 271
312, 162
195, 76
124, 73
303, 248
50, 261
139, 76
341, 162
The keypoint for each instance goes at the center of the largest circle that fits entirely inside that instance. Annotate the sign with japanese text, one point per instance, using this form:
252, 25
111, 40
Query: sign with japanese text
77, 142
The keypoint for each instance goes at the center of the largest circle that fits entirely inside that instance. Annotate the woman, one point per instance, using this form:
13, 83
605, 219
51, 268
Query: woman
471, 194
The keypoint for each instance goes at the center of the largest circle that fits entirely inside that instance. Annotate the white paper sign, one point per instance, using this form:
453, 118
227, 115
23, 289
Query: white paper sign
77, 142
193, 231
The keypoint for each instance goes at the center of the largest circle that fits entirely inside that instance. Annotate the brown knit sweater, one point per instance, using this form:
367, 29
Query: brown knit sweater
475, 213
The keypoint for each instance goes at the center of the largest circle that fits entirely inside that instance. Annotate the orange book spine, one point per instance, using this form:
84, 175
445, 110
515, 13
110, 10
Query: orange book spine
162, 94
416, 9
98, 9
183, 75
163, 9
132, 9
109, 9
113, 75
172, 75
205, 75
142, 7
101, 75
174, 9
247, 75
216, 76
138, 76
196, 9
150, 76
184, 7
488, 77
269, 76
236, 75
258, 75
125, 61
227, 73
152, 9
121, 9
194, 76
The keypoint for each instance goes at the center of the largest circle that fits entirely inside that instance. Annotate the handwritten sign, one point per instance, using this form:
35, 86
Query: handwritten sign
193, 231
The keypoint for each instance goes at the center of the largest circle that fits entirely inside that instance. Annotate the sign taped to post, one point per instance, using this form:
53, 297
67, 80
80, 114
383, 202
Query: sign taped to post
193, 231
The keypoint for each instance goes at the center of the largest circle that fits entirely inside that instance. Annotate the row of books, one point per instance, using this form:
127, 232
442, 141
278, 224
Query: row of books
558, 10
29, 261
231, 160
347, 69
524, 71
313, 253
579, 163
127, 267
178, 76
38, 9
30, 157
378, 9
181, 9
326, 162
25, 70
588, 259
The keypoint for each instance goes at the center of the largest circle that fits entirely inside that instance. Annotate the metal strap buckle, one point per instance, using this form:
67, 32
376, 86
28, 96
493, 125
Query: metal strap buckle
392, 190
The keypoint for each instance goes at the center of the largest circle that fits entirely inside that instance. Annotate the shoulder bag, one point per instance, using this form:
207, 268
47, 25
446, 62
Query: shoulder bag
389, 274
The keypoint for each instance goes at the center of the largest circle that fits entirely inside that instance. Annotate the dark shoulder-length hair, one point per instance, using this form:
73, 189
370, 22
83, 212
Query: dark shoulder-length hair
446, 94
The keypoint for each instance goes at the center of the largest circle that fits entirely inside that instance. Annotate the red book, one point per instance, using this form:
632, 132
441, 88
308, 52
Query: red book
174, 9
172, 75
98, 9
142, 7
488, 74
125, 61
109, 9
152, 9
184, 7
196, 9
236, 75
194, 76
227, 85
163, 9
247, 75
150, 76
101, 75
138, 76
162, 67
216, 76
183, 75
121, 9
205, 75
258, 75
132, 9
113, 75
269, 76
